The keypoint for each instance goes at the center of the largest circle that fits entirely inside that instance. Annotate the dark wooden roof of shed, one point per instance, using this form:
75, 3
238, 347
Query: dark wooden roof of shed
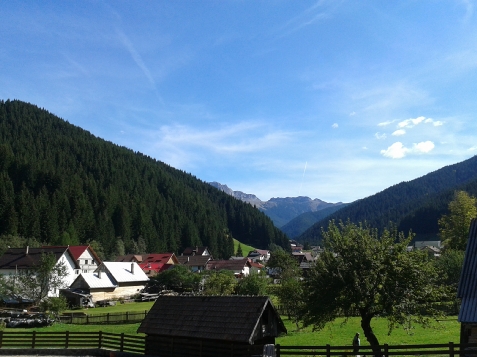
467, 290
23, 258
231, 318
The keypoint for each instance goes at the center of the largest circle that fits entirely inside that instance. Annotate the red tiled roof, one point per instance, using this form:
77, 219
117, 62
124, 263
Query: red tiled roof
77, 250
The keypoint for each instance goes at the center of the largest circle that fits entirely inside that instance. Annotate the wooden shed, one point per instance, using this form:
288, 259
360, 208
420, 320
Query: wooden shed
210, 326
467, 290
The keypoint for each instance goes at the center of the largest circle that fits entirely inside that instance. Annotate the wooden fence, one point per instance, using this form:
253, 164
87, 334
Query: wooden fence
109, 318
64, 340
449, 349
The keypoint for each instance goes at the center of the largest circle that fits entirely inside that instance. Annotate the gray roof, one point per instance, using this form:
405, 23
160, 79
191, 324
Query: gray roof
94, 281
123, 272
231, 318
467, 290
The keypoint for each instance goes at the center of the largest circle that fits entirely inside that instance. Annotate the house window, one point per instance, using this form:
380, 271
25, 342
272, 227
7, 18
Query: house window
86, 261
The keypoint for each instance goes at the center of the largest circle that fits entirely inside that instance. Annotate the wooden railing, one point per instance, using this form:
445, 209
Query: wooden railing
64, 340
449, 349
99, 319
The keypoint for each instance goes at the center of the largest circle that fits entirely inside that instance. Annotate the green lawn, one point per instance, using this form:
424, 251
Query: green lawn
339, 334
131, 307
336, 333
245, 248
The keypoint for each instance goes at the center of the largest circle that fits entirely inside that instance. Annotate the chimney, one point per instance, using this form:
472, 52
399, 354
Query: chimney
188, 258
132, 268
99, 273
27, 248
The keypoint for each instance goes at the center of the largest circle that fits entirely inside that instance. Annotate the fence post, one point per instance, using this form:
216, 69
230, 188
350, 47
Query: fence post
100, 339
328, 350
127, 315
67, 339
1, 339
107, 317
277, 350
451, 349
33, 340
386, 350
122, 343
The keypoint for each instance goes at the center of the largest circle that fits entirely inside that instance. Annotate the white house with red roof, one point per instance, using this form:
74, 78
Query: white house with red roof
84, 256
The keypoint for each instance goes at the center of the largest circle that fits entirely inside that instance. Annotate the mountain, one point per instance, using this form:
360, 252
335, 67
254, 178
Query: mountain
61, 185
300, 224
280, 210
415, 205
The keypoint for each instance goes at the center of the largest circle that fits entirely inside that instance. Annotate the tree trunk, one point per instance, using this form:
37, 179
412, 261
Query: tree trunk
368, 332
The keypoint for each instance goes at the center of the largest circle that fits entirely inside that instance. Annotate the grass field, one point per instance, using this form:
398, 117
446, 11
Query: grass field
245, 248
336, 333
339, 334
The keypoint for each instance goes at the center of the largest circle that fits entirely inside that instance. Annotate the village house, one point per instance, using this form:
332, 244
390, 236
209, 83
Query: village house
199, 326
196, 251
86, 258
16, 260
112, 280
195, 263
259, 255
240, 267
467, 290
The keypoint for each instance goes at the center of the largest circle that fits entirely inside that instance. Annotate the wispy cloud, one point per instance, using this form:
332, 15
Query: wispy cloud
335, 126
409, 123
308, 17
136, 57
380, 136
398, 150
386, 123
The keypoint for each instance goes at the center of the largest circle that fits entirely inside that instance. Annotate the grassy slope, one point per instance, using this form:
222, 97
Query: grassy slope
245, 248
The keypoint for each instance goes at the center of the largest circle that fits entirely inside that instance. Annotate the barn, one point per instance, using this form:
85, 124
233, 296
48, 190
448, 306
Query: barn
467, 290
210, 326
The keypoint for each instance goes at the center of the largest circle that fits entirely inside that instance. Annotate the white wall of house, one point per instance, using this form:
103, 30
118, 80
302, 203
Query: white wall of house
87, 262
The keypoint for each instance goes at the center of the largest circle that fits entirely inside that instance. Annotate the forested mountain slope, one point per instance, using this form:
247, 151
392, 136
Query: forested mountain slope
415, 205
62, 185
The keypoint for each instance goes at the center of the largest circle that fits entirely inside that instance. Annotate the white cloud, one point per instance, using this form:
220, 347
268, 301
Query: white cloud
352, 114
423, 147
335, 125
409, 123
434, 122
399, 132
395, 151
398, 150
386, 123
380, 136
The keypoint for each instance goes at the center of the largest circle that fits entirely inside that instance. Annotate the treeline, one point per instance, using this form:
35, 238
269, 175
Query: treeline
60, 185
416, 205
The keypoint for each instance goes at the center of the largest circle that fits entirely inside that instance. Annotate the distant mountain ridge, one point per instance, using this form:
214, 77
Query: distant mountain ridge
414, 205
280, 210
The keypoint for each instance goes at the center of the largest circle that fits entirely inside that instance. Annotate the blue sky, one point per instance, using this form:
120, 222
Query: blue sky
334, 100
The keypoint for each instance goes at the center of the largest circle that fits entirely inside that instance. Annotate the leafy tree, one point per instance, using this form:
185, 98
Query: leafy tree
178, 278
291, 298
284, 264
46, 276
454, 227
253, 284
369, 274
222, 282
239, 251
449, 267
54, 305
